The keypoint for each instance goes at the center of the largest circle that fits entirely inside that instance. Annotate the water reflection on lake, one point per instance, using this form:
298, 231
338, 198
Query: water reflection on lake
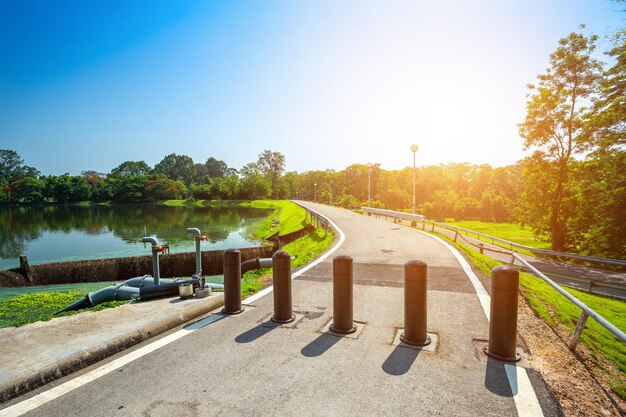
64, 233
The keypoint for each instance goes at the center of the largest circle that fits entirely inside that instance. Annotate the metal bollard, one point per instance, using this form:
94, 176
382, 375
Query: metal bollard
503, 315
282, 288
342, 295
415, 304
232, 282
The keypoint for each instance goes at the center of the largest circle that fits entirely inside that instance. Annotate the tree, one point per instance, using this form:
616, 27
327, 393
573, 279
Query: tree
608, 117
130, 168
164, 189
12, 167
176, 167
29, 189
555, 120
216, 168
272, 165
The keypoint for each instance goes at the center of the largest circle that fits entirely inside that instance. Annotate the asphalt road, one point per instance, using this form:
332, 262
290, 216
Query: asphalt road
582, 277
245, 365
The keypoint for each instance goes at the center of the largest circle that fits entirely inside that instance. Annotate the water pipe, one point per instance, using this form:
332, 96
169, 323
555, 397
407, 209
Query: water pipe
156, 250
199, 238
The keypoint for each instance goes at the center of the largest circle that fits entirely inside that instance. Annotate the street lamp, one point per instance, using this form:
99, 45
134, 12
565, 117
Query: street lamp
330, 189
369, 183
315, 192
414, 149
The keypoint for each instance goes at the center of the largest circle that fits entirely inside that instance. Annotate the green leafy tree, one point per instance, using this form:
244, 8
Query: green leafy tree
164, 189
272, 165
554, 126
176, 167
216, 168
130, 169
29, 190
12, 167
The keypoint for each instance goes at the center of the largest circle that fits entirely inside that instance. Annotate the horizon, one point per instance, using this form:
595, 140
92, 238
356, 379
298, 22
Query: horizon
327, 85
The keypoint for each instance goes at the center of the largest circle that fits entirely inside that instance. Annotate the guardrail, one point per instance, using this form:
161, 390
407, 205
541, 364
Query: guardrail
317, 219
511, 245
586, 311
393, 214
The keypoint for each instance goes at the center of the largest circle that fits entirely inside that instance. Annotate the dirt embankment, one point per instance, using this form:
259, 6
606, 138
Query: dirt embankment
580, 387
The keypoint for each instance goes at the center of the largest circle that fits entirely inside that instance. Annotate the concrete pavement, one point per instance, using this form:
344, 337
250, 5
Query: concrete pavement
246, 365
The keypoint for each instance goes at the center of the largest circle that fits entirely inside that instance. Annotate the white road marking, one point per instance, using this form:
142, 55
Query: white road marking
342, 238
47, 396
527, 405
523, 393
483, 295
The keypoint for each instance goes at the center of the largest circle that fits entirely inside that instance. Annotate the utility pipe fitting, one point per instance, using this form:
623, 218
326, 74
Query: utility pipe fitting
503, 314
156, 250
198, 238
342, 295
415, 304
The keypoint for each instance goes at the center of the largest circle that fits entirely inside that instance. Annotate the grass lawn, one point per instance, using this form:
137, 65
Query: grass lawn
507, 231
562, 315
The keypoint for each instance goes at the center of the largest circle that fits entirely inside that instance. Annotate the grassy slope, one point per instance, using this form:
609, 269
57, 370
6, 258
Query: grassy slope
560, 312
507, 231
286, 218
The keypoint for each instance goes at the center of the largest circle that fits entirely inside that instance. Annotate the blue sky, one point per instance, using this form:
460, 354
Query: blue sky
87, 85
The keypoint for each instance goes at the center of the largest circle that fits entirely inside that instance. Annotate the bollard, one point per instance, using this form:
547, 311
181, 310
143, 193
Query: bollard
342, 295
281, 263
415, 304
503, 314
232, 282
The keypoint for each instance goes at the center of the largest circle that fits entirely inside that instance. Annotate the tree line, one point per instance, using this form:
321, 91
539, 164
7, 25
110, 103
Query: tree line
571, 190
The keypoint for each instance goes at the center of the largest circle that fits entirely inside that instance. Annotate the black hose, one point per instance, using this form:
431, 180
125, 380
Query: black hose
161, 291
84, 303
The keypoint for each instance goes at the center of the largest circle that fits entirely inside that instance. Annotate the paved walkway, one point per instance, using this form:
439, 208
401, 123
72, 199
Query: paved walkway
245, 365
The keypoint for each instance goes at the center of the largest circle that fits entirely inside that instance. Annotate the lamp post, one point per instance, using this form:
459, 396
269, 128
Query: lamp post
414, 149
315, 192
330, 189
369, 183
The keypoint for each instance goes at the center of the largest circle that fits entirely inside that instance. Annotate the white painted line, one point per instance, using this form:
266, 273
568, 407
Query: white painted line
342, 238
527, 405
47, 396
523, 393
483, 295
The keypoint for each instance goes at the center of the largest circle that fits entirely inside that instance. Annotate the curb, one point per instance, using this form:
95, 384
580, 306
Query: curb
12, 389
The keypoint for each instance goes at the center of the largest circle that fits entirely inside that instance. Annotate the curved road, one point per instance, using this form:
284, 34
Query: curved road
244, 365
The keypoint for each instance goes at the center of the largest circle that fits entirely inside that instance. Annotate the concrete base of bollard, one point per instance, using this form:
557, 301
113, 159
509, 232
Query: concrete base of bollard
515, 358
233, 312
289, 320
412, 343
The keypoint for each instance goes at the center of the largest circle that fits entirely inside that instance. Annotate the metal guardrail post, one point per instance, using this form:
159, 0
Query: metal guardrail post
281, 264
415, 304
582, 320
342, 295
232, 282
503, 314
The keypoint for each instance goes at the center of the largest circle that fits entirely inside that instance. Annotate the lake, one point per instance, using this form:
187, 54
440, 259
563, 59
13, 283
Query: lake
69, 233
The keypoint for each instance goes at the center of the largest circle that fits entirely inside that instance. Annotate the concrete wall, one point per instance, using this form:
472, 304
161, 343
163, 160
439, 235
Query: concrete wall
120, 269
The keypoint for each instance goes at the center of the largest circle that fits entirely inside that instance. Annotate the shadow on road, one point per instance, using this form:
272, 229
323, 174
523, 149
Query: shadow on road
400, 360
256, 332
496, 379
320, 345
